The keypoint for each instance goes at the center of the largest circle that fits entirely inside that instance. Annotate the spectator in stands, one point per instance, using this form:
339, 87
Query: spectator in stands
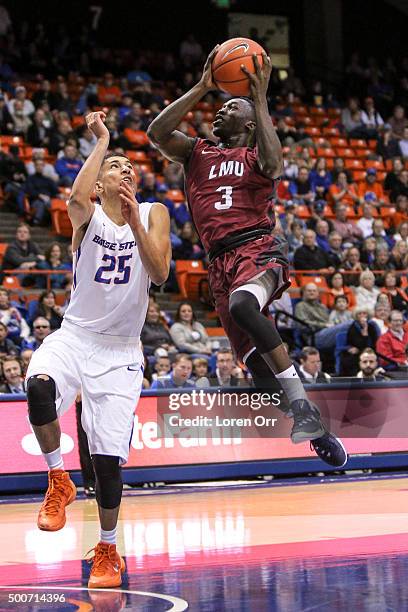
6, 120
155, 333
340, 314
371, 187
343, 192
320, 178
352, 267
310, 370
387, 146
310, 310
294, 237
200, 372
401, 187
178, 212
68, 166
339, 166
25, 358
382, 240
366, 292
108, 93
44, 93
393, 344
292, 84
48, 169
370, 117
148, 188
365, 223
348, 230
41, 329
63, 101
335, 252
48, 309
309, 256
38, 133
174, 176
401, 213
40, 190
398, 122
162, 366
392, 288
322, 235
179, 377
188, 335
399, 255
54, 260
381, 314
7, 346
21, 102
337, 288
382, 260
22, 252
368, 251
135, 136
191, 52
301, 189
361, 334
87, 143
392, 177
402, 235
351, 119
369, 370
317, 209
190, 247
15, 176
403, 143
21, 122
59, 137
227, 373
12, 375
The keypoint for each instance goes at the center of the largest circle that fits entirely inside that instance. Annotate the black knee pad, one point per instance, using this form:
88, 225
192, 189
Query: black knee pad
108, 481
41, 400
243, 305
245, 310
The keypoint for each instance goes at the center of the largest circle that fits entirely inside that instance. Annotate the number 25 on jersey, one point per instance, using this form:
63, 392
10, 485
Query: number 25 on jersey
226, 198
103, 274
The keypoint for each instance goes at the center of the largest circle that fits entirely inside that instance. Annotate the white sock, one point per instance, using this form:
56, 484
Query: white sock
108, 537
54, 459
291, 384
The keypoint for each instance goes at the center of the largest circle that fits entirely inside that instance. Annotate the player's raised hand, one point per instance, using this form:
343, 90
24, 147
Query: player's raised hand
129, 206
96, 124
207, 79
259, 80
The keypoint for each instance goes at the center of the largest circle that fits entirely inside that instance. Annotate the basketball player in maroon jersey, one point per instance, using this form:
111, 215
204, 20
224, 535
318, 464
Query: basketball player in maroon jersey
229, 186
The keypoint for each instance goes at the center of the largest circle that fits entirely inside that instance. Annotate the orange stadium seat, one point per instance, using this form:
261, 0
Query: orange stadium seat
372, 163
334, 112
11, 140
362, 153
137, 156
317, 110
358, 143
145, 166
354, 164
11, 282
3, 248
326, 152
346, 153
331, 131
312, 131
359, 175
190, 275
302, 211
317, 279
372, 144
299, 109
60, 221
338, 142
77, 121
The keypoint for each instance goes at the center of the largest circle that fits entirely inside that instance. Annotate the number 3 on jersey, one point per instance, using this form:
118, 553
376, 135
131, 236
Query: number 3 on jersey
226, 196
111, 266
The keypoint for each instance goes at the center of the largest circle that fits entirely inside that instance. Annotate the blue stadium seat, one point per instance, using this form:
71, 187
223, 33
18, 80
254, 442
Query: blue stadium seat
341, 345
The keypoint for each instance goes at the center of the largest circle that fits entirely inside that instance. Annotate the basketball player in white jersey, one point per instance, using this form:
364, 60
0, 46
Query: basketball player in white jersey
119, 246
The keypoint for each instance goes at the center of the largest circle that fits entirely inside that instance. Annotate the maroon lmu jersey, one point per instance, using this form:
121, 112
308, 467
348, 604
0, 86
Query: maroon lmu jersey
226, 192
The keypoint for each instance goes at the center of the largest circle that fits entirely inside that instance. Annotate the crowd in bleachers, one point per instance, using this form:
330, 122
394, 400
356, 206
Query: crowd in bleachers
342, 202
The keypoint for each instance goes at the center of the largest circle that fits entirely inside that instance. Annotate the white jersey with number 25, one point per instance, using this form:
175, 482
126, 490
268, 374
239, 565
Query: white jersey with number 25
110, 290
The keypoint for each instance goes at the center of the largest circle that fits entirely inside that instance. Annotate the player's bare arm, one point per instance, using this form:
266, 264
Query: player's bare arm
162, 131
269, 148
80, 206
153, 245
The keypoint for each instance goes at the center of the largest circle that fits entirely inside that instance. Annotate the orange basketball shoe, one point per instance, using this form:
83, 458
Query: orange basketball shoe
60, 493
107, 567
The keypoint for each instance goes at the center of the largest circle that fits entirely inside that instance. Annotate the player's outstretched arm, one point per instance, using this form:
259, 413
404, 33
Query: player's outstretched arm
163, 130
269, 148
153, 245
80, 207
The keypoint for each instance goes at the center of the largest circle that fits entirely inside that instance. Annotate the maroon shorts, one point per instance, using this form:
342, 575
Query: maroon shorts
236, 268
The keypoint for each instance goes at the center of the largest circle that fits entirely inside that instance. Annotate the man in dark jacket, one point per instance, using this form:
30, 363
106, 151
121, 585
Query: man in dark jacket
311, 257
226, 373
7, 346
40, 189
22, 252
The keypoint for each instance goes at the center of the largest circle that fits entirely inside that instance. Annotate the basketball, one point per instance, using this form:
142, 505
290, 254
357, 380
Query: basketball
226, 65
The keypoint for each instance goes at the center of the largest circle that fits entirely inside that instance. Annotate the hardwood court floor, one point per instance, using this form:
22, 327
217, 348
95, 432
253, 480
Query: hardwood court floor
338, 545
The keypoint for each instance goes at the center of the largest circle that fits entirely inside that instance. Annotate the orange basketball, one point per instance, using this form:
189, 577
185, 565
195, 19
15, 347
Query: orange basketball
226, 65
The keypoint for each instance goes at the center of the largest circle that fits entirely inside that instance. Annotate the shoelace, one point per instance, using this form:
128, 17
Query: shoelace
101, 557
323, 451
52, 502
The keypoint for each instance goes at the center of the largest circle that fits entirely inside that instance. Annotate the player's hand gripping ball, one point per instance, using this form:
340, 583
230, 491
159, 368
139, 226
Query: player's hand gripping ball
226, 66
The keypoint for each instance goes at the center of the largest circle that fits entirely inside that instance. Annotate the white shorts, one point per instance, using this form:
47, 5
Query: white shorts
109, 372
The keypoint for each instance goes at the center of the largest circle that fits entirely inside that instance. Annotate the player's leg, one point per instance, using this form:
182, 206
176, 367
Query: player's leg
87, 469
51, 383
245, 307
108, 405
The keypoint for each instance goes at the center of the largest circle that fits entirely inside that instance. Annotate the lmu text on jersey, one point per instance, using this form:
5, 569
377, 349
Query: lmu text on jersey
230, 167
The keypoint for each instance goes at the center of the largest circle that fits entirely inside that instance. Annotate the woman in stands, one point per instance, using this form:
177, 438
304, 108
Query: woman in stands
48, 309
367, 292
190, 247
17, 327
399, 255
320, 178
54, 260
337, 287
402, 235
188, 334
155, 333
361, 334
397, 297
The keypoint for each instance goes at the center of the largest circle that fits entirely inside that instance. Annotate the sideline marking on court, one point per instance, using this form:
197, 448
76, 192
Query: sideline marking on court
179, 605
